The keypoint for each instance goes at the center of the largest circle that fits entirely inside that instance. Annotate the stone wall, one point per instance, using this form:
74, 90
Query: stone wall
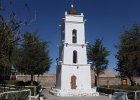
45, 80
116, 80
50, 80
109, 81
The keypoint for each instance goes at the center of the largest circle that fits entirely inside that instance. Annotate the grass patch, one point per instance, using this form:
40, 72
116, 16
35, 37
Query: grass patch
11, 82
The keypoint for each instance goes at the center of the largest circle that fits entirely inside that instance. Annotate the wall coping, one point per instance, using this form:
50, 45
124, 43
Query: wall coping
49, 75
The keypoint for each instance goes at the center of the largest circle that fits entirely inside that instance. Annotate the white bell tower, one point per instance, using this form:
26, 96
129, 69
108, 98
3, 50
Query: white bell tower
73, 71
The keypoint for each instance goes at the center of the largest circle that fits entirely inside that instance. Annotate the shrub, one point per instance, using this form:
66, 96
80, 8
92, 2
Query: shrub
20, 83
35, 83
126, 87
105, 90
28, 83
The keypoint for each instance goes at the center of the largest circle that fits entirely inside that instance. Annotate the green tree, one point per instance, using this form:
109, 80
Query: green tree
10, 26
128, 54
34, 56
97, 55
9, 31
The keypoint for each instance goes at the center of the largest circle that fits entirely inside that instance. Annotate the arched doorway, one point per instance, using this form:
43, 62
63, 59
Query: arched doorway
73, 82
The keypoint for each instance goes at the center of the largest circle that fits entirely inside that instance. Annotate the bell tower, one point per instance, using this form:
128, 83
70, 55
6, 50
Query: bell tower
73, 46
73, 71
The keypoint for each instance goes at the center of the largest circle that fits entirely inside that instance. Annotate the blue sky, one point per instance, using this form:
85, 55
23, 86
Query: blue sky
105, 19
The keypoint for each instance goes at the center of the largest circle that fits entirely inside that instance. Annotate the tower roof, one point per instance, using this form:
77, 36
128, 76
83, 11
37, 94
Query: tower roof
72, 11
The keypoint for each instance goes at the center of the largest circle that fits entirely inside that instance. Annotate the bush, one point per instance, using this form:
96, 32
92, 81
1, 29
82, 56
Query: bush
35, 83
28, 83
105, 90
20, 83
126, 87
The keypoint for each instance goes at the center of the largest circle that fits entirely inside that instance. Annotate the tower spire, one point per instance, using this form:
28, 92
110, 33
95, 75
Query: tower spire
72, 10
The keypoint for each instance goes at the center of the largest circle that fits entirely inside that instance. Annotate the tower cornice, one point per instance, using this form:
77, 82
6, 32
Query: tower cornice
74, 22
75, 64
72, 44
76, 15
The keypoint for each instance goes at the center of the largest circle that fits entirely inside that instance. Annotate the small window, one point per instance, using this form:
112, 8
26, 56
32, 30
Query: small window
74, 56
74, 36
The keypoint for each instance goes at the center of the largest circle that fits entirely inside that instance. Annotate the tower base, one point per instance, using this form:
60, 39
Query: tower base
74, 92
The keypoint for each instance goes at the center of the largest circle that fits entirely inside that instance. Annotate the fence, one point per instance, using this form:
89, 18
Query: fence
129, 95
16, 95
119, 94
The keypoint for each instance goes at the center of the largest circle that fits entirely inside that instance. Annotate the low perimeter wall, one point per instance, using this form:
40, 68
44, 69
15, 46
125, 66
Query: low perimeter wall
45, 80
50, 80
